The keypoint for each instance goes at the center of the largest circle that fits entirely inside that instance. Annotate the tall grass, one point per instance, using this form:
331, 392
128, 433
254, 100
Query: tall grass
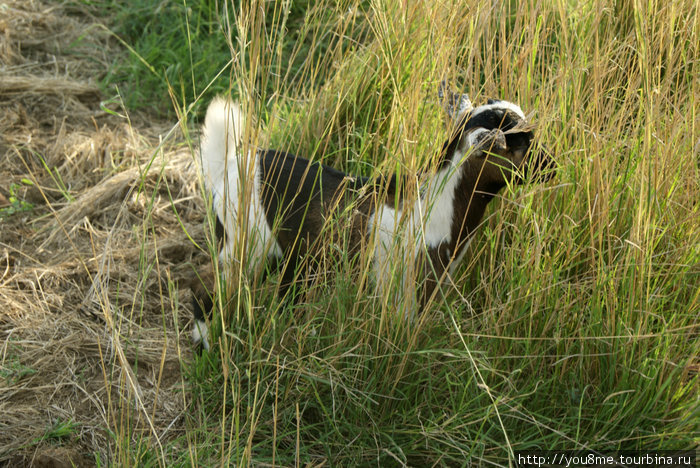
574, 320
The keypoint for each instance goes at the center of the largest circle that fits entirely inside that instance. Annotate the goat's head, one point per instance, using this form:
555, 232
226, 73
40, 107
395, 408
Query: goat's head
499, 142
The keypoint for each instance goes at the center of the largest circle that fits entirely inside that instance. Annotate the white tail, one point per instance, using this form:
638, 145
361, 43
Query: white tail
221, 136
232, 177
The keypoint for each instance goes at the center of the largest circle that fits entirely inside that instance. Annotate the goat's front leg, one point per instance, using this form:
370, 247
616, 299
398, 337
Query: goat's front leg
434, 272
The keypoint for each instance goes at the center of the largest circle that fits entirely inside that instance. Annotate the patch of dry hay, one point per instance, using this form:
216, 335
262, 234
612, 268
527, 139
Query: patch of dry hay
18, 85
90, 316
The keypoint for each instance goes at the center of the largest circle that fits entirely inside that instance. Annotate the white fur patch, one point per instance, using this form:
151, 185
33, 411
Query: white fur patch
394, 238
436, 208
400, 234
241, 199
234, 180
474, 137
384, 225
200, 334
460, 256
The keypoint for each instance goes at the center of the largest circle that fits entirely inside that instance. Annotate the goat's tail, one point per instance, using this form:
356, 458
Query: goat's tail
221, 137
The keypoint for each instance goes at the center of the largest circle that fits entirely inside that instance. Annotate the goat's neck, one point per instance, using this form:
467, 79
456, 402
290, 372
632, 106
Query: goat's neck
471, 199
457, 202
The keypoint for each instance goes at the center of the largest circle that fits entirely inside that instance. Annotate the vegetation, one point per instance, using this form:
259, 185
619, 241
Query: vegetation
573, 322
185, 48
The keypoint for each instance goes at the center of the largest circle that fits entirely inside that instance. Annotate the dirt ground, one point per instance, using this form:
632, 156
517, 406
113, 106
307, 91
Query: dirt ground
92, 324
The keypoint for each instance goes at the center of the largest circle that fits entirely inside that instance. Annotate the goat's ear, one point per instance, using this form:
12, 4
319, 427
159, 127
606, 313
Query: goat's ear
455, 104
487, 140
464, 105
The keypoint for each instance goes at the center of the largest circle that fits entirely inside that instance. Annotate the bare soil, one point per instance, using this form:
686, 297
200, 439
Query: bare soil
94, 208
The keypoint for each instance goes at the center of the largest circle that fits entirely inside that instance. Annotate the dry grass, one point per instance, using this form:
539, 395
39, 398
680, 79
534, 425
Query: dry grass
584, 331
88, 317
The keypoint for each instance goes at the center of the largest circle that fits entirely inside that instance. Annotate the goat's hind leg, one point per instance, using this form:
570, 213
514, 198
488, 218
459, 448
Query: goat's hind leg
202, 306
203, 299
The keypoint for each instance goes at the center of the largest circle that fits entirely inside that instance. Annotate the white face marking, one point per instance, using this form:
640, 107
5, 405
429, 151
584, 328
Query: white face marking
474, 137
504, 105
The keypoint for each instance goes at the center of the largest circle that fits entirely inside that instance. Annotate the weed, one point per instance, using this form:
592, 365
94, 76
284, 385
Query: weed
16, 204
12, 370
60, 430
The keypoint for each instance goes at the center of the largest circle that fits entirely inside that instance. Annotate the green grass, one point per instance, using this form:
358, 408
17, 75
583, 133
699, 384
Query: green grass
576, 320
60, 429
179, 50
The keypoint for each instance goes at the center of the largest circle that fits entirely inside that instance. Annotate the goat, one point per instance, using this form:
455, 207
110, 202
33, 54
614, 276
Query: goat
280, 202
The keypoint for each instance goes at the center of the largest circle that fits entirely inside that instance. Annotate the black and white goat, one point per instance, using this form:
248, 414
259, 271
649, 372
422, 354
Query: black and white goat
280, 203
